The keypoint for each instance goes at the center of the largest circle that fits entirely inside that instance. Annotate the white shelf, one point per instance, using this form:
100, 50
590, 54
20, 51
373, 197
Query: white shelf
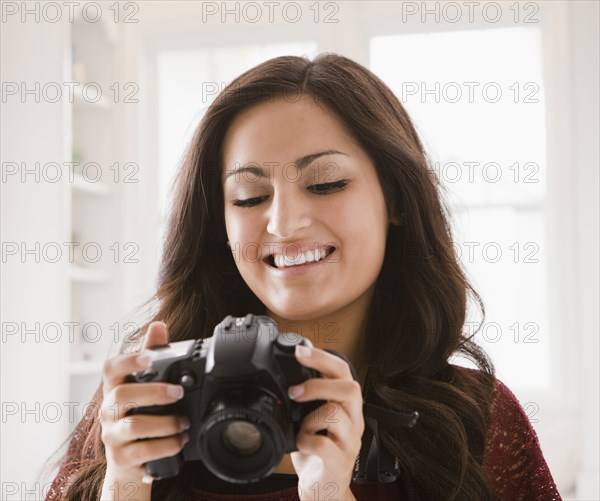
78, 273
83, 186
92, 208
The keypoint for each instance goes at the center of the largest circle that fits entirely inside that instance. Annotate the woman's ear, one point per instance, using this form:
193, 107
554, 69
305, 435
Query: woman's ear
396, 217
397, 220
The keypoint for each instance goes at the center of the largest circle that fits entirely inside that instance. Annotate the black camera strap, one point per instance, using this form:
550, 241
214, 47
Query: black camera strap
375, 464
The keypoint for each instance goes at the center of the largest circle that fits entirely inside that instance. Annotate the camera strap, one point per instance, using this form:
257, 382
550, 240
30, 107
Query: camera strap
375, 464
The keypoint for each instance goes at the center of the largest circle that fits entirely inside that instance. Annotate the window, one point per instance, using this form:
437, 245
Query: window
477, 100
197, 75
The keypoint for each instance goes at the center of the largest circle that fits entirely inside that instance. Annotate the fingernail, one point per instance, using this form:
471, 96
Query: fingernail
295, 391
175, 392
302, 351
185, 438
143, 361
184, 423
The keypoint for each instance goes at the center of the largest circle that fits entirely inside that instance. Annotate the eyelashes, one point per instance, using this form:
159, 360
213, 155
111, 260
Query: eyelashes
249, 202
317, 189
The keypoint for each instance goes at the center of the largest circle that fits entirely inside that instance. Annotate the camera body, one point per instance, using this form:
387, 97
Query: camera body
241, 418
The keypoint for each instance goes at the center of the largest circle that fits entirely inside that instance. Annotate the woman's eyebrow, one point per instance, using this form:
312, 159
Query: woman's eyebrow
301, 163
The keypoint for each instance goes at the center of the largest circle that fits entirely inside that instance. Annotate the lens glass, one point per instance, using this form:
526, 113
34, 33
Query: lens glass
242, 437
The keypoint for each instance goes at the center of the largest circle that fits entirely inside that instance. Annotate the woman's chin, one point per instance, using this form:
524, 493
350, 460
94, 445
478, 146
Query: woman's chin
302, 312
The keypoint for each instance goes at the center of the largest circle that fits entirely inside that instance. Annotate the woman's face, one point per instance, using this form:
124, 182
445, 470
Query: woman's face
329, 201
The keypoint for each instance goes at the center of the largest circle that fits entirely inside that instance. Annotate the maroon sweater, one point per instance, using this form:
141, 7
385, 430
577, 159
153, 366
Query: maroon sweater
513, 462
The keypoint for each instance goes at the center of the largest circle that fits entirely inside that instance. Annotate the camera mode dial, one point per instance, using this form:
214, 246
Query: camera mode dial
287, 341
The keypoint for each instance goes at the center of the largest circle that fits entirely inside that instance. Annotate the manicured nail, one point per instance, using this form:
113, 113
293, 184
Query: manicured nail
175, 392
295, 391
184, 423
302, 351
185, 438
143, 361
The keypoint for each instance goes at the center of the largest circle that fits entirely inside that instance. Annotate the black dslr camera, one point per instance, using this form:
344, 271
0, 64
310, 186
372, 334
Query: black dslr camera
241, 418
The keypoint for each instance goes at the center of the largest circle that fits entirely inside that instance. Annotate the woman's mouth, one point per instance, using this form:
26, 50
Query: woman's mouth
306, 259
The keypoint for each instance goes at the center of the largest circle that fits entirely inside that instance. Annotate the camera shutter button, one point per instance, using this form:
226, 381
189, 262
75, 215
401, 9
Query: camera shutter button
288, 342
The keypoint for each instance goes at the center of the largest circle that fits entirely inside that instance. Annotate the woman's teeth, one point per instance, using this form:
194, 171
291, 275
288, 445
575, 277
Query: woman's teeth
307, 257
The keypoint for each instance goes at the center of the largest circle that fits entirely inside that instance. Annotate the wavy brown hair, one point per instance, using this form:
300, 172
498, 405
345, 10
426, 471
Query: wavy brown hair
416, 319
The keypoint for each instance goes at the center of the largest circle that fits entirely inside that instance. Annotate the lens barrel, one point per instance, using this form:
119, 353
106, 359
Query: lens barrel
242, 439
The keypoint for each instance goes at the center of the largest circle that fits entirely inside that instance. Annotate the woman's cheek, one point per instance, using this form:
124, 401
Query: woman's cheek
250, 245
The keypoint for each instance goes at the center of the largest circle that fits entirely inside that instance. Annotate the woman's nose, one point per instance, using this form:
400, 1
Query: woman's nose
288, 215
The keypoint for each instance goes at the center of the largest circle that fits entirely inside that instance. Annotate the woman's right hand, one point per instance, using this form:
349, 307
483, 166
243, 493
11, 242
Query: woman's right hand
125, 454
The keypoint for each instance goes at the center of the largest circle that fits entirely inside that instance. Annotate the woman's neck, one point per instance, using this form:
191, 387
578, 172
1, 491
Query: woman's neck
342, 330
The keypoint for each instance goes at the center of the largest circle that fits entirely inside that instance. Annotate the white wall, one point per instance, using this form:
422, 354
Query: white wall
32, 291
584, 23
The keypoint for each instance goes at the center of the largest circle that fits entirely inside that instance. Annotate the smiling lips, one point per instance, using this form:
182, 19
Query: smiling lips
299, 255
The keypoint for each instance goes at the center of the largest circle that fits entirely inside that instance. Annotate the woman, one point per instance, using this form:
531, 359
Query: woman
298, 158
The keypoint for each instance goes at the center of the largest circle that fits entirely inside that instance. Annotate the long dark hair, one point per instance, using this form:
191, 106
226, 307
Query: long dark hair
416, 319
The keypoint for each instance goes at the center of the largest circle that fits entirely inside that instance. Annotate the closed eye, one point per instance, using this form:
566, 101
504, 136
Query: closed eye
329, 187
317, 189
248, 202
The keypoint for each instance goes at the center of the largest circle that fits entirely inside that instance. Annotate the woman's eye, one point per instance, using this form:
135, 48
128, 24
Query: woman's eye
248, 202
328, 187
319, 189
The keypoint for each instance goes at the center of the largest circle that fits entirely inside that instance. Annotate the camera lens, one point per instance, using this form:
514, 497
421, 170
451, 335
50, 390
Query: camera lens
242, 437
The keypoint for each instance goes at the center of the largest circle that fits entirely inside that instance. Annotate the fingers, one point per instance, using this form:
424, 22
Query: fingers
338, 384
316, 444
124, 397
331, 417
347, 393
345, 432
134, 440
135, 454
323, 447
144, 426
342, 415
156, 335
328, 364
117, 368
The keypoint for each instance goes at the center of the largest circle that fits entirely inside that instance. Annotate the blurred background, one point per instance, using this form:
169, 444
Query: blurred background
99, 100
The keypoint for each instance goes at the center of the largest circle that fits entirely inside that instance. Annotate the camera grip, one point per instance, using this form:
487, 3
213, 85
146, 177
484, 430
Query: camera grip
169, 466
165, 467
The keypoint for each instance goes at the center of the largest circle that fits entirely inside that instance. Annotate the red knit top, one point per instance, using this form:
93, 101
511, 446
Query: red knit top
513, 462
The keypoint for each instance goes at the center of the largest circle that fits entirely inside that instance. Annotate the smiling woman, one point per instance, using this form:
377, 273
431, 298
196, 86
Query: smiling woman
327, 218
326, 201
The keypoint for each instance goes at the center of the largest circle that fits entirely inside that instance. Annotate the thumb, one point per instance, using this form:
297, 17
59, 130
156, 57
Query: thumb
156, 335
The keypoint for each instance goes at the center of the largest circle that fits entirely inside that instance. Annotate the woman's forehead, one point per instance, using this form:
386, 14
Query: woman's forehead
283, 132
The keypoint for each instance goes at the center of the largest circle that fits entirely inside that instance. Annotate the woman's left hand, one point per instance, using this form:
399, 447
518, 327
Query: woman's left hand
324, 464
